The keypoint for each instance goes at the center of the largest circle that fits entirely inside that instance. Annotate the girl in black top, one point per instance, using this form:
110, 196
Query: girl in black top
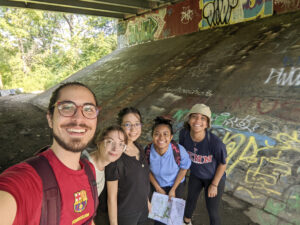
128, 178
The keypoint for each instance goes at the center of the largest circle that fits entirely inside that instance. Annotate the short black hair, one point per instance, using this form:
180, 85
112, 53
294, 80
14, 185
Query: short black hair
56, 93
160, 120
128, 110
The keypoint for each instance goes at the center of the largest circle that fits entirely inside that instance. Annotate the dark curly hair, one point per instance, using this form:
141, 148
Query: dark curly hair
160, 120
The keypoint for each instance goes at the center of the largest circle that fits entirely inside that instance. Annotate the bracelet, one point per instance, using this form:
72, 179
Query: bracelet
214, 185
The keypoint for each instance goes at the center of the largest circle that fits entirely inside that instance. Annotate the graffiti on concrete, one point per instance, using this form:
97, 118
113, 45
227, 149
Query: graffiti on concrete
181, 90
285, 76
223, 12
288, 110
290, 208
281, 6
142, 32
289, 61
287, 3
218, 11
143, 29
186, 15
189, 16
267, 154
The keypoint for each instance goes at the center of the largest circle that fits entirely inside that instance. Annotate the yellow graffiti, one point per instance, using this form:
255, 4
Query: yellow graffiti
287, 142
233, 147
264, 172
252, 3
265, 180
240, 188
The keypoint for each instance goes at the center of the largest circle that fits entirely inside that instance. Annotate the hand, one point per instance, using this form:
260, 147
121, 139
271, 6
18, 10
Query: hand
212, 191
161, 191
149, 206
171, 193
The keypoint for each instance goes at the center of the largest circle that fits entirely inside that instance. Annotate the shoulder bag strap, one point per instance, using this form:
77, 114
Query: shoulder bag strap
93, 184
51, 203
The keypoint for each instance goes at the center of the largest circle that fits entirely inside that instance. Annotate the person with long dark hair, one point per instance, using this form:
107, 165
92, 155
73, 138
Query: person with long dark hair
208, 155
128, 178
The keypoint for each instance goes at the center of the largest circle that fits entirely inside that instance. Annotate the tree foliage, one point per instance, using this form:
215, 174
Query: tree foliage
38, 49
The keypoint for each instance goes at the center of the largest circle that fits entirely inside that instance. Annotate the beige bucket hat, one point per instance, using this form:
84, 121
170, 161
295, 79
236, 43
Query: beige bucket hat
202, 109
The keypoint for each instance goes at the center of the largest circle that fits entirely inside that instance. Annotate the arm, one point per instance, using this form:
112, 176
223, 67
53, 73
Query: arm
112, 201
8, 208
149, 205
213, 187
181, 174
155, 184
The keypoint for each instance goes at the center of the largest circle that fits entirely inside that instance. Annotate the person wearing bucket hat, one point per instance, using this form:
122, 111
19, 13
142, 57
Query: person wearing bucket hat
208, 155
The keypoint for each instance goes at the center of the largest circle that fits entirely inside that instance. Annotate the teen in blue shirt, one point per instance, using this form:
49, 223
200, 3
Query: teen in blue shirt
166, 176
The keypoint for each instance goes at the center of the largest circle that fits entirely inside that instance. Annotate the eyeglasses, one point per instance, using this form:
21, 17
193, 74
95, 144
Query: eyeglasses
69, 109
128, 126
111, 144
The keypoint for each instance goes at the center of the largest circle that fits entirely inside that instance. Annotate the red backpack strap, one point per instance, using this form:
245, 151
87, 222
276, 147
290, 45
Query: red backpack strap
147, 153
51, 203
93, 183
176, 152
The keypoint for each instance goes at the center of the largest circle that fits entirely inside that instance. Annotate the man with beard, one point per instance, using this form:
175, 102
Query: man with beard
72, 116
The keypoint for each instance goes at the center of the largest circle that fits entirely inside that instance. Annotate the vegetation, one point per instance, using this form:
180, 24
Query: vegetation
39, 49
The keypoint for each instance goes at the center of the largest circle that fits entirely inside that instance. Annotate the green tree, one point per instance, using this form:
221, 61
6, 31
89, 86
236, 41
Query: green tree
39, 49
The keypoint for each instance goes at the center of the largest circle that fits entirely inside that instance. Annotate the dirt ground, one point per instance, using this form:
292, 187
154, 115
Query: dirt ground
24, 130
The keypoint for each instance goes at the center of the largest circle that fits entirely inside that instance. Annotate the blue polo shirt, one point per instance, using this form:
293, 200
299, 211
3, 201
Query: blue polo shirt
164, 168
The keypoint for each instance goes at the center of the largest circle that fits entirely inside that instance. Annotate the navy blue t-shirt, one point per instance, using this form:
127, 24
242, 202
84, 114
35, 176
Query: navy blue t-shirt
205, 155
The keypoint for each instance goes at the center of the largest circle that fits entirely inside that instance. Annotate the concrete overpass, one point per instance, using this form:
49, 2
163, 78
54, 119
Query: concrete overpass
119, 9
248, 72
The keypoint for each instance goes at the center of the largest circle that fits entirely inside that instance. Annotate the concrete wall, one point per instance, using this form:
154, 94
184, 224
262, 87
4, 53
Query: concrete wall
249, 74
194, 15
283, 6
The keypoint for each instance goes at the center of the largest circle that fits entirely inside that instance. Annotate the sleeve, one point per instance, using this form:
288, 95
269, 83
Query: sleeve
185, 161
112, 172
220, 152
23, 182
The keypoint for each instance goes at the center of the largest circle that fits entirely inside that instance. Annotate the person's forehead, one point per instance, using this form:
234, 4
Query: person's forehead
77, 94
162, 127
115, 135
197, 114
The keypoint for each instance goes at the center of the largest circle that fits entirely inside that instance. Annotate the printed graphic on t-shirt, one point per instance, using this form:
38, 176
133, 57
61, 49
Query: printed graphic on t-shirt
200, 159
80, 201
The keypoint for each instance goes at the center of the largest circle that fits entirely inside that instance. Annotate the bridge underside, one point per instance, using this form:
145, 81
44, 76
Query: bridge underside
119, 9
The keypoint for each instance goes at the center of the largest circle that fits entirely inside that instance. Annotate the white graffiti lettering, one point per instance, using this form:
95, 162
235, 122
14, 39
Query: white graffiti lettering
284, 77
198, 92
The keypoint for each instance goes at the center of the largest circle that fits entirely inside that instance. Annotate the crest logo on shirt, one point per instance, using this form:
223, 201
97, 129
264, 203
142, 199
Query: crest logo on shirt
80, 201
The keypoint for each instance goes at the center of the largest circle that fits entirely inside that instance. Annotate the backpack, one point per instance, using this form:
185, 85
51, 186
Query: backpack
51, 203
175, 148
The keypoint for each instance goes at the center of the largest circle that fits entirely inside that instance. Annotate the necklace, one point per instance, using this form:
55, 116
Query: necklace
195, 147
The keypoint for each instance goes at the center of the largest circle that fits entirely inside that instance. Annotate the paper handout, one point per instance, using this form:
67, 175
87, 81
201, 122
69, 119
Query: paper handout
167, 211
